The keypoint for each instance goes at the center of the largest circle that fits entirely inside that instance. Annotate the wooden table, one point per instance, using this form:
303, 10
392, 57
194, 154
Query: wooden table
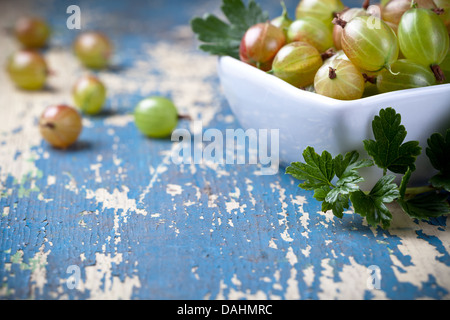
114, 218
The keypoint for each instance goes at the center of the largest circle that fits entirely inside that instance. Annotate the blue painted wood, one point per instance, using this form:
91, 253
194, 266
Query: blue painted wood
148, 233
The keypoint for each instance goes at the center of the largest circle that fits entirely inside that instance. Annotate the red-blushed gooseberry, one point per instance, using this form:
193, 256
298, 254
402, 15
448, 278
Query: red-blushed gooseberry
60, 125
260, 44
339, 79
312, 31
156, 117
32, 32
346, 15
89, 94
297, 63
429, 46
27, 69
369, 43
393, 11
93, 49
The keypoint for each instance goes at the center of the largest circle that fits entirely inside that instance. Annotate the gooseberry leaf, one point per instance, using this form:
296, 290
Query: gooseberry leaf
388, 150
222, 38
372, 206
425, 206
337, 206
316, 172
438, 151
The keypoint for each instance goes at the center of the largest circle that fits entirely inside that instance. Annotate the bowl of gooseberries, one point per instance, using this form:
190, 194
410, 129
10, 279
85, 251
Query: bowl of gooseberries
322, 77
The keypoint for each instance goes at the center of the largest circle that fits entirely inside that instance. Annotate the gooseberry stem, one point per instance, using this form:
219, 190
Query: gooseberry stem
49, 125
366, 4
388, 68
285, 12
371, 79
418, 190
340, 22
184, 117
328, 54
438, 73
332, 73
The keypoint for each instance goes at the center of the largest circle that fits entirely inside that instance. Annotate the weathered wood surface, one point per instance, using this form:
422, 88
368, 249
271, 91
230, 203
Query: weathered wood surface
140, 227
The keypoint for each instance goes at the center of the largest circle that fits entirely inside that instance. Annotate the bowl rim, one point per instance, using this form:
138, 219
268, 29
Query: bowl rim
324, 100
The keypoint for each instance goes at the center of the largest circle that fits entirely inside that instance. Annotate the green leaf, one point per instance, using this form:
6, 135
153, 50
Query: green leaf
404, 183
349, 163
388, 150
349, 178
438, 151
426, 206
222, 38
337, 206
372, 206
317, 172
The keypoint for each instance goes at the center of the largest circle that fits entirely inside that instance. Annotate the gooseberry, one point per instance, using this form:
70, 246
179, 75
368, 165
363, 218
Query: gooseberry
60, 125
429, 46
32, 32
346, 15
369, 42
27, 69
93, 49
283, 22
156, 117
260, 44
89, 94
339, 79
445, 66
393, 11
297, 63
313, 31
445, 16
407, 75
323, 10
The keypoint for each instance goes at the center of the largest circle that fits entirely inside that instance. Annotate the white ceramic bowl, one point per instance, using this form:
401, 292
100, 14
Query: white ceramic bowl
262, 101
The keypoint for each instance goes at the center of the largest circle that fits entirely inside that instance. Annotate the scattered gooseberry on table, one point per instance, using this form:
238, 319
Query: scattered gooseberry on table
89, 94
32, 32
27, 69
60, 125
93, 49
339, 79
156, 117
297, 63
260, 44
